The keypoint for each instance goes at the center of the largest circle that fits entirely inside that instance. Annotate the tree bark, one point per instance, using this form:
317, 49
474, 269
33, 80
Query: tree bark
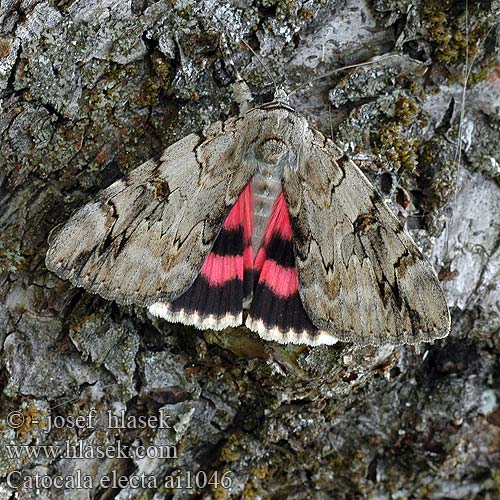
91, 89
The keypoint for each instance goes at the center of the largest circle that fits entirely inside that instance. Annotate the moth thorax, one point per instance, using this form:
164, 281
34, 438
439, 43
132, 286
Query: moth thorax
270, 151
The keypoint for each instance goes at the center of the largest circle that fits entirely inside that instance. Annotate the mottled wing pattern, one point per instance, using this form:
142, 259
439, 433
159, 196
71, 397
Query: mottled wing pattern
146, 236
360, 274
215, 299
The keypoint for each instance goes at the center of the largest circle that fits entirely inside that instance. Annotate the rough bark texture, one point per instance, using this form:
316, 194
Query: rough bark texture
93, 88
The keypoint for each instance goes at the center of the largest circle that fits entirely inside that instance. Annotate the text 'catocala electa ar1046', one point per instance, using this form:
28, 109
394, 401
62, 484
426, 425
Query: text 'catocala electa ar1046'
260, 219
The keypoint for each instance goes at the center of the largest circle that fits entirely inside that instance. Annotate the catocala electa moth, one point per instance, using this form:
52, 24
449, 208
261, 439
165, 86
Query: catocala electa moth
259, 219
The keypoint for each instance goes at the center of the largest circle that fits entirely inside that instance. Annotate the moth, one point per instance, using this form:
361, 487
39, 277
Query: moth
259, 219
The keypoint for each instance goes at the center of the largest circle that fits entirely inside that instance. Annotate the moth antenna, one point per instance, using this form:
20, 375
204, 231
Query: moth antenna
241, 91
338, 70
259, 59
242, 94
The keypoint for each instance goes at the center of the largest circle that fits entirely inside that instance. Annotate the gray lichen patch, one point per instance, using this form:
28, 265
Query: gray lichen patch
388, 121
30, 373
384, 74
23, 424
106, 343
165, 373
470, 249
82, 104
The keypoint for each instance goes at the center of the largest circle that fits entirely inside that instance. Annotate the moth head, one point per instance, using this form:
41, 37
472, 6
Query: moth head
281, 96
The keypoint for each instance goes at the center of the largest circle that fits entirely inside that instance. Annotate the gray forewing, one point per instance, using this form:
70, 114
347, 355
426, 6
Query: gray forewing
146, 236
361, 276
